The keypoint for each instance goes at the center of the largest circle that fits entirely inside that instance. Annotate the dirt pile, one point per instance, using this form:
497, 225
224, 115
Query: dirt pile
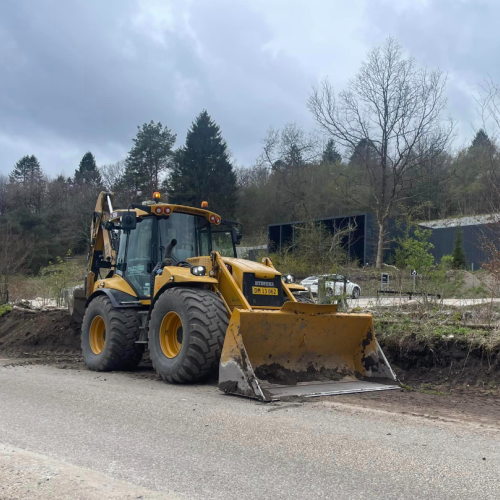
38, 333
444, 362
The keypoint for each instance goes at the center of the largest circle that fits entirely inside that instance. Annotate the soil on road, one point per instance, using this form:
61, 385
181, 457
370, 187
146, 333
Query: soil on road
128, 433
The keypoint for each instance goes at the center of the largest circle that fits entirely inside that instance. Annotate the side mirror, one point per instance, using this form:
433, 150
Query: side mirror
129, 221
236, 235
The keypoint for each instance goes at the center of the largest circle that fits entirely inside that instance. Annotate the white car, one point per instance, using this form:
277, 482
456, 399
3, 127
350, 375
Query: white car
334, 285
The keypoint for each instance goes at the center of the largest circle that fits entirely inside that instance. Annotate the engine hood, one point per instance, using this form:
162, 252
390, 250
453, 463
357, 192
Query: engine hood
249, 266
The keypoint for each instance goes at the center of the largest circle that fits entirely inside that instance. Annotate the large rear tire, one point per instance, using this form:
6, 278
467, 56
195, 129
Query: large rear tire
109, 335
186, 334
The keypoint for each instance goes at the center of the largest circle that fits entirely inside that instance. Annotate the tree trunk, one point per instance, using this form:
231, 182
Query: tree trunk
380, 245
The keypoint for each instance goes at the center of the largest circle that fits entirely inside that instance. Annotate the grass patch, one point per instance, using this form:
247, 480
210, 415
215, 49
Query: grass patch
407, 388
428, 389
4, 309
431, 333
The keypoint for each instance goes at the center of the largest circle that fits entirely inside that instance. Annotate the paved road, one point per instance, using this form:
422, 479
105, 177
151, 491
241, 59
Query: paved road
125, 432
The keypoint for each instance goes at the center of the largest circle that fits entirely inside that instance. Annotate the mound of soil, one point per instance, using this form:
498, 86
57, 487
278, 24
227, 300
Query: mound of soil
444, 363
41, 333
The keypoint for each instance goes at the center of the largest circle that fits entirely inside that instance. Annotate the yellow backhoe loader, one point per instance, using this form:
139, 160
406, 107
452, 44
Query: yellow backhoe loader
167, 277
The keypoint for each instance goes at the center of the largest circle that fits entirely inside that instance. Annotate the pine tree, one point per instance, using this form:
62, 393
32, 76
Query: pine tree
202, 169
364, 152
28, 174
481, 139
293, 157
330, 153
149, 158
26, 170
87, 171
459, 260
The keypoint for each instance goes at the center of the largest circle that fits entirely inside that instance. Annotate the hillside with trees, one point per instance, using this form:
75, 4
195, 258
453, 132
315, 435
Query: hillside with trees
382, 145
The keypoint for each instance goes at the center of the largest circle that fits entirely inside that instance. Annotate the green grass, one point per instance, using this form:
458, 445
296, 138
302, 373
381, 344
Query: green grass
407, 388
428, 333
4, 309
428, 389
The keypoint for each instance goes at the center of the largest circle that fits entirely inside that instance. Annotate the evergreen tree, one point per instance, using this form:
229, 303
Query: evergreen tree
459, 261
330, 153
202, 169
150, 156
293, 157
28, 174
87, 171
26, 171
364, 152
481, 140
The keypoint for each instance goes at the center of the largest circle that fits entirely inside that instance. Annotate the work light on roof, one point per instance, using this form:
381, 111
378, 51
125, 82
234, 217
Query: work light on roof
168, 210
158, 210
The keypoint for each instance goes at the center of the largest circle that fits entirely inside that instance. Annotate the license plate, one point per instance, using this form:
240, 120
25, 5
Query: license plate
264, 290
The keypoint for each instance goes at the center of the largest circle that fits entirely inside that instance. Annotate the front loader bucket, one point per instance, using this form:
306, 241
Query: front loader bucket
302, 350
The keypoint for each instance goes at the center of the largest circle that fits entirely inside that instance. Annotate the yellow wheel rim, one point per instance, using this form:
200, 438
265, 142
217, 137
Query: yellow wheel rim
97, 334
171, 334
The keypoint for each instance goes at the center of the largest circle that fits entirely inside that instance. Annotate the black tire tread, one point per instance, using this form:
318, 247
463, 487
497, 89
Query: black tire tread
122, 352
208, 325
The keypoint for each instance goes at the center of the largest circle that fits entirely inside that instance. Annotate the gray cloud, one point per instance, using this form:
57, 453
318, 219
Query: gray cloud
81, 75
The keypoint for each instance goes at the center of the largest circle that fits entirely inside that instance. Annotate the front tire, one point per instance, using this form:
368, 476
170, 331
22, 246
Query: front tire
109, 335
356, 293
186, 334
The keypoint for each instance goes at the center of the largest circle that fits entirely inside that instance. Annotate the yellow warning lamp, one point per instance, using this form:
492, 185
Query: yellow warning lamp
204, 204
157, 196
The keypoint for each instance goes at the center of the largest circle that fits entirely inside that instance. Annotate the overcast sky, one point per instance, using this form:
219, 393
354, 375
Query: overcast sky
80, 75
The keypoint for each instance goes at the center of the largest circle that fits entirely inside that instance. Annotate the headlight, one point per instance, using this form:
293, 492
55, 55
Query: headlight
288, 278
198, 270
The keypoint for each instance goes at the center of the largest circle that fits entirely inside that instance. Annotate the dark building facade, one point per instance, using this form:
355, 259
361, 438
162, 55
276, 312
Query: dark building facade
475, 229
361, 243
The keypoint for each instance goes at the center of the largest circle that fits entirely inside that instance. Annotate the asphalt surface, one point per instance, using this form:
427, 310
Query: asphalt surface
191, 442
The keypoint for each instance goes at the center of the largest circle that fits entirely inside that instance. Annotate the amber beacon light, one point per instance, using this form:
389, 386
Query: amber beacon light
204, 204
156, 196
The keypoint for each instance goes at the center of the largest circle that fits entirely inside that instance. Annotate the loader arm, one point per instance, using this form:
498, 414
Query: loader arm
101, 248
101, 254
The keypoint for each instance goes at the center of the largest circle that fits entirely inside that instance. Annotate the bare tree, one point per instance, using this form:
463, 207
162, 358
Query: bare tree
3, 194
112, 174
287, 153
289, 147
395, 109
488, 108
14, 253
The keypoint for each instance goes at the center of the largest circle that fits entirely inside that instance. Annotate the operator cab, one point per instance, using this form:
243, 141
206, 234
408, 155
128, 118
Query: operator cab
168, 235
